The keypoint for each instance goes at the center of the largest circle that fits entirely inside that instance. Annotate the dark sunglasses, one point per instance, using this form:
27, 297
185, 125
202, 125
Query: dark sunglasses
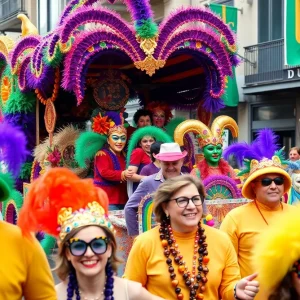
78, 247
268, 181
184, 201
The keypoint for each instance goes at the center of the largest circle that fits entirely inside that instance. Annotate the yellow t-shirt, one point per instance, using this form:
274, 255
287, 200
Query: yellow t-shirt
24, 270
147, 264
243, 225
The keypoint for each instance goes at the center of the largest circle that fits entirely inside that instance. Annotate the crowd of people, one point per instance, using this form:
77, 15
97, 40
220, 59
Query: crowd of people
181, 257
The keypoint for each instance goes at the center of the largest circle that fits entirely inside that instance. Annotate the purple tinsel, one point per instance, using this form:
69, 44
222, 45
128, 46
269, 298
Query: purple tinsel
192, 14
101, 15
139, 10
75, 57
13, 146
264, 146
24, 44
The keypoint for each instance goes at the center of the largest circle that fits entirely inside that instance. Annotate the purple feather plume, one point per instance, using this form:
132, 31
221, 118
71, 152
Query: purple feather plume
192, 14
69, 9
264, 146
75, 57
205, 36
24, 44
102, 16
13, 147
22, 79
26, 122
115, 116
139, 9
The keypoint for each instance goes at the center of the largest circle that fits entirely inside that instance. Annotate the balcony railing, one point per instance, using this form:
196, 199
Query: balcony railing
8, 11
264, 63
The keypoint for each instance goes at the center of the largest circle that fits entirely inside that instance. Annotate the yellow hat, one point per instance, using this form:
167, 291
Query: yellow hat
277, 249
265, 166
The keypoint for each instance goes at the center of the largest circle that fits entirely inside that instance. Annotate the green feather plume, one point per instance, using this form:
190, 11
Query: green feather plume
6, 186
171, 126
147, 29
20, 102
159, 135
26, 171
87, 145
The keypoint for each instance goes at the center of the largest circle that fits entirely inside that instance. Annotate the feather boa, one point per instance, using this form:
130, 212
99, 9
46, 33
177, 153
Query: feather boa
13, 147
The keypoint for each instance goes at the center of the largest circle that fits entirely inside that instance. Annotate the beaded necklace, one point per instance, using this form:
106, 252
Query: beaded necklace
194, 282
108, 288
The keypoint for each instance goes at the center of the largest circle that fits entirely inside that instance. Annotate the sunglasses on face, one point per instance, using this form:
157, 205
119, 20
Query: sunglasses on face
184, 201
268, 181
79, 247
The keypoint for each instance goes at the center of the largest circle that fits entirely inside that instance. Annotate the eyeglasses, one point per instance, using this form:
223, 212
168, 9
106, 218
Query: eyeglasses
79, 247
184, 201
268, 181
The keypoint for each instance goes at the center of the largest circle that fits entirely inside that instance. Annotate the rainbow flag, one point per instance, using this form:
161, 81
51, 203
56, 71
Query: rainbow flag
229, 16
292, 32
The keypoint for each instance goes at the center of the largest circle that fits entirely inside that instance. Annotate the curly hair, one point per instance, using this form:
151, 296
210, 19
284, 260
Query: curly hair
153, 106
141, 113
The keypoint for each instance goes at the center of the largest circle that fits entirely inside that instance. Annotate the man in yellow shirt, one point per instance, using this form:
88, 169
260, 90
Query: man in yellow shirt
24, 270
265, 181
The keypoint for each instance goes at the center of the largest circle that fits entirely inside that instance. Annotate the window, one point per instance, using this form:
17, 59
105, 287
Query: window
224, 2
48, 14
270, 20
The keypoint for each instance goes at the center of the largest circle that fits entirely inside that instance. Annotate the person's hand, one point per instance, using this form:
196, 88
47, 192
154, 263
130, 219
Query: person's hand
247, 288
128, 173
296, 282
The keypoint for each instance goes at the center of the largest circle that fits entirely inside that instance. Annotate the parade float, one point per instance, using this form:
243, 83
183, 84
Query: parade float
50, 86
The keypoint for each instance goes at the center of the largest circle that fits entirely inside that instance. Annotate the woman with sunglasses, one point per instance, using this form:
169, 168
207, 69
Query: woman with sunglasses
75, 211
182, 258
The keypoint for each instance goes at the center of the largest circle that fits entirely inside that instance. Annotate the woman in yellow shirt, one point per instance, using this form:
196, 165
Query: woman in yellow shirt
181, 258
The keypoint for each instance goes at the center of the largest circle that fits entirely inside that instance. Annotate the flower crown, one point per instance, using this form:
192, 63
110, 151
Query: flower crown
92, 214
108, 123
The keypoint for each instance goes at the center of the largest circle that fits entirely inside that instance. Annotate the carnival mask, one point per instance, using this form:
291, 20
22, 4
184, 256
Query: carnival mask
117, 141
212, 154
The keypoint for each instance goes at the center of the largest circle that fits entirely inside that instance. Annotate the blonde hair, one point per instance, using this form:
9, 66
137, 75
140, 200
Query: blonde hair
167, 189
63, 266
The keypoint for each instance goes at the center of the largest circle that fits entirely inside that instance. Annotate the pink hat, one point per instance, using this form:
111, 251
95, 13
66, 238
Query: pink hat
170, 152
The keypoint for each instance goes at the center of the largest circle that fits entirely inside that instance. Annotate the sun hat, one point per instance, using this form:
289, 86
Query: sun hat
261, 157
170, 152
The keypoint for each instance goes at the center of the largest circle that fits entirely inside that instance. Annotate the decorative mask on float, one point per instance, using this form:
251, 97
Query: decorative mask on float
210, 140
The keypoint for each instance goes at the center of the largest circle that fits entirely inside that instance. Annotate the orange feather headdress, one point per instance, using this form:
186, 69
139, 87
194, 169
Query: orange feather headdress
59, 201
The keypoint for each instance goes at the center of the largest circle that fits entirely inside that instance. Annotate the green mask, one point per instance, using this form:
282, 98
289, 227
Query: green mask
213, 154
